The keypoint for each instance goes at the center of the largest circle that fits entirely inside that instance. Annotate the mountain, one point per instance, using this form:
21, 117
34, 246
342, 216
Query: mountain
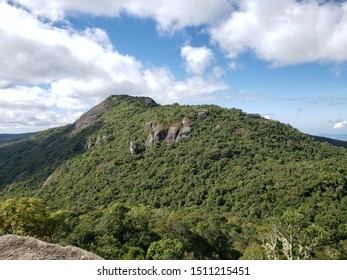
333, 140
132, 179
341, 137
6, 138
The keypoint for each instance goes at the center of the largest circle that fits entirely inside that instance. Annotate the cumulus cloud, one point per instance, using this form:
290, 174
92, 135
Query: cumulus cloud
282, 32
196, 59
340, 124
169, 14
26, 109
285, 32
48, 75
27, 61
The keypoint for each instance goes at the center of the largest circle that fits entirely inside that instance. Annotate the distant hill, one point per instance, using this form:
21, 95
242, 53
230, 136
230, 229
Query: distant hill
332, 141
7, 138
132, 179
341, 137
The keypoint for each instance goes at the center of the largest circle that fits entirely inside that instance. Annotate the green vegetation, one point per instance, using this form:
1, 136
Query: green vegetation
6, 138
239, 186
337, 143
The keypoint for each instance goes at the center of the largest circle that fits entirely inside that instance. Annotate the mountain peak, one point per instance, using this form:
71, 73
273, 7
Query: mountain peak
129, 98
113, 100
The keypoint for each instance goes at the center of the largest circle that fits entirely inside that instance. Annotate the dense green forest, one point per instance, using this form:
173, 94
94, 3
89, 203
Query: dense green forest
6, 138
135, 180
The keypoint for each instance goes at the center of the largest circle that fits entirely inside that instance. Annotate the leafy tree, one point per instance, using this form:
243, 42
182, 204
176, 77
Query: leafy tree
84, 233
112, 221
107, 246
165, 249
293, 237
134, 253
25, 216
254, 252
30, 216
57, 225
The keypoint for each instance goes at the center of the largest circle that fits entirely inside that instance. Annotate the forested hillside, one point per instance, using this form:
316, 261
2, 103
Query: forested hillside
135, 180
6, 138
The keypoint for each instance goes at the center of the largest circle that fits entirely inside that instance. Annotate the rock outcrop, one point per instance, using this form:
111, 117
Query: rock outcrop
134, 148
157, 135
174, 133
148, 126
89, 117
202, 114
99, 140
185, 131
15, 247
149, 100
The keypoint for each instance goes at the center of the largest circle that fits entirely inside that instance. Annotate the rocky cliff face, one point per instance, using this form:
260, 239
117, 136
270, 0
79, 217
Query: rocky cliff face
172, 134
89, 117
185, 131
15, 247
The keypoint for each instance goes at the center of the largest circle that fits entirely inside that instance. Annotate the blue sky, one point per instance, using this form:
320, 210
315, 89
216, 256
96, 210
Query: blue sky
285, 60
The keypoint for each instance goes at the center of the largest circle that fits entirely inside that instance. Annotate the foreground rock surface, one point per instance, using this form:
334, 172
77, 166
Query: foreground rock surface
15, 247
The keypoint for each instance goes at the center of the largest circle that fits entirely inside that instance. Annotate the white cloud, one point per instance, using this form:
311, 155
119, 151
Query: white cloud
26, 109
170, 15
340, 124
285, 32
29, 61
48, 75
196, 59
282, 32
